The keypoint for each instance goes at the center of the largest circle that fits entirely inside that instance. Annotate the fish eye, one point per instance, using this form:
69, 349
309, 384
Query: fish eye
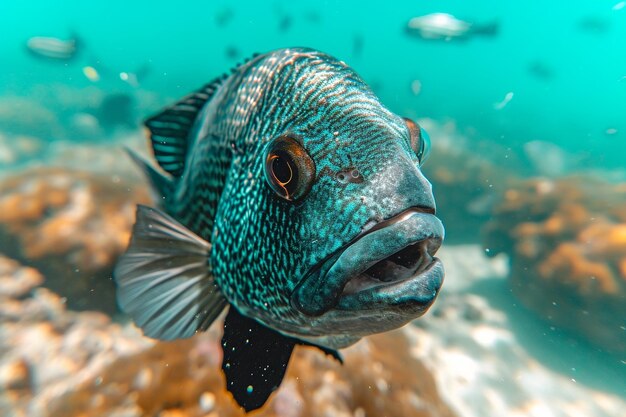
420, 141
289, 170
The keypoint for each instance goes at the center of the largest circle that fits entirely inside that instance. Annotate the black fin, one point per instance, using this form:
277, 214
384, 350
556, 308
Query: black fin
161, 184
255, 359
164, 280
169, 130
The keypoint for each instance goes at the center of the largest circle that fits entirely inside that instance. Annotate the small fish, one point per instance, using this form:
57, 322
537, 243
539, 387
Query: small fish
224, 16
541, 71
284, 23
416, 87
135, 78
313, 17
444, 26
53, 48
291, 196
505, 101
91, 73
231, 52
594, 24
357, 45
116, 110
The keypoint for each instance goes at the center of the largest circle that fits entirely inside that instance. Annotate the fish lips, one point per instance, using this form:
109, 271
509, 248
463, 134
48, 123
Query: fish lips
388, 267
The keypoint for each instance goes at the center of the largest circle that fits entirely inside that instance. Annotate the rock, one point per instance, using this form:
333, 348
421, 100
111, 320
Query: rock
15, 280
26, 116
74, 364
567, 243
15, 375
18, 149
71, 225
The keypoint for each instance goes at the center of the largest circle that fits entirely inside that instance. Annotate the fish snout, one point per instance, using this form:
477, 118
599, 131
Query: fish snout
401, 185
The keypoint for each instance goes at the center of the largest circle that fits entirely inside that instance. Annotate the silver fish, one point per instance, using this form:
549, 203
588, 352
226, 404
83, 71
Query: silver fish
53, 48
444, 26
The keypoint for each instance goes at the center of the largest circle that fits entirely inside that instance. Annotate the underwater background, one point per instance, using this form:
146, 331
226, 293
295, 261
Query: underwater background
528, 127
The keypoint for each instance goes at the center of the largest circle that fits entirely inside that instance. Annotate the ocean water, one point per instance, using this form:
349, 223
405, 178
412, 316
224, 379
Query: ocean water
542, 100
582, 97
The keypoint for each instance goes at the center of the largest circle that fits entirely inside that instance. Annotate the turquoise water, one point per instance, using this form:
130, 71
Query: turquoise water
554, 77
583, 96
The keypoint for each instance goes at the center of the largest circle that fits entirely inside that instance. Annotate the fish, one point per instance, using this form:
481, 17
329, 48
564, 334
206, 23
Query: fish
224, 16
541, 71
357, 45
53, 48
284, 23
290, 196
117, 110
504, 102
444, 26
594, 24
231, 52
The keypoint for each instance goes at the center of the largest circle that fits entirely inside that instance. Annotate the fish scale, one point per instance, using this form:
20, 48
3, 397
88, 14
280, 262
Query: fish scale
281, 261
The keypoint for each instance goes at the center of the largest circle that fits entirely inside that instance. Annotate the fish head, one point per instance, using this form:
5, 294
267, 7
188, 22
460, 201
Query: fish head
335, 229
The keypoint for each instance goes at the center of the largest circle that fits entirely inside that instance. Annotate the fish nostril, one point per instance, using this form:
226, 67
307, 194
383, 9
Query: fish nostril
349, 175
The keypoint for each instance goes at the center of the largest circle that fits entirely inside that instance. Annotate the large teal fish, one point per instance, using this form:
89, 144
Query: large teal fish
294, 197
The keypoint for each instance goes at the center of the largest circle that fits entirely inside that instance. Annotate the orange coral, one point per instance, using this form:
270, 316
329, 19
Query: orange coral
71, 225
66, 364
567, 243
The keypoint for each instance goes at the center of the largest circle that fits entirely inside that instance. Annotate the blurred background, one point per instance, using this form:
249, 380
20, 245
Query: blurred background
525, 103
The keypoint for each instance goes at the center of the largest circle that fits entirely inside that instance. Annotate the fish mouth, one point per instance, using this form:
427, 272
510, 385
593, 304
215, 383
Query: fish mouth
391, 265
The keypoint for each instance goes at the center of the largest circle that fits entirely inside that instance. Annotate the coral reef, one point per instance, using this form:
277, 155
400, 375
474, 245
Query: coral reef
24, 116
71, 225
567, 243
16, 149
61, 363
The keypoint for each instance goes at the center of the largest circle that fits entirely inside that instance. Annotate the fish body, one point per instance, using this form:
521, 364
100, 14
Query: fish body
53, 48
292, 195
444, 26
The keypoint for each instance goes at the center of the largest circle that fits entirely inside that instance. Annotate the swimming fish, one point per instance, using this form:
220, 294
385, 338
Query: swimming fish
289, 194
53, 48
444, 26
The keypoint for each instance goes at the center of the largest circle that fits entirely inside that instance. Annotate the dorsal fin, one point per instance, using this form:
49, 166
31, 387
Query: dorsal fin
169, 130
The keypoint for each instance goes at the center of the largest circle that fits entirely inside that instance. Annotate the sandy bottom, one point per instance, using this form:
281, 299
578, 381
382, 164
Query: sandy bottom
492, 357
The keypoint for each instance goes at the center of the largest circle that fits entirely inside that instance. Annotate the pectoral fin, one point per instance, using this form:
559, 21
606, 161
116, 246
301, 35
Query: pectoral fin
164, 279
